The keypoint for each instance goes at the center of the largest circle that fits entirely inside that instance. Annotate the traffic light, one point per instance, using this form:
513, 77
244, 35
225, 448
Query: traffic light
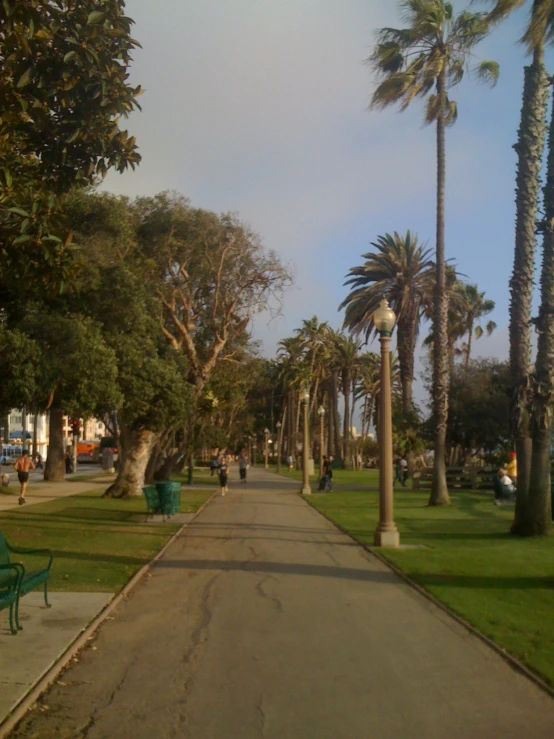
75, 427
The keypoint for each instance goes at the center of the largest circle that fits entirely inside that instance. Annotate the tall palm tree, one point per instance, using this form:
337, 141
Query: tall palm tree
402, 270
536, 517
290, 355
530, 150
425, 59
347, 362
474, 306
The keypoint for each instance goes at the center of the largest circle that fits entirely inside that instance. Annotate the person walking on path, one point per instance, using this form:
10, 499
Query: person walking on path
399, 473
243, 466
223, 476
23, 466
327, 478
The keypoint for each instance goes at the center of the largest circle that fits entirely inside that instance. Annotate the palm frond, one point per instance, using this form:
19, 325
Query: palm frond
488, 72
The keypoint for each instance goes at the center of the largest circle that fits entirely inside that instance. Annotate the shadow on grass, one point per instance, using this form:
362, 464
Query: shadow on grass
106, 558
498, 582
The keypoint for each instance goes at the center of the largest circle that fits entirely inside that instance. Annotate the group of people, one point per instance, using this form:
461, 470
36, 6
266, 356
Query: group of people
221, 466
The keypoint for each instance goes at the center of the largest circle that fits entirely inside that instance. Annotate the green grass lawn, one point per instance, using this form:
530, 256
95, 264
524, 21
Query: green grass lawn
98, 543
504, 586
201, 475
364, 478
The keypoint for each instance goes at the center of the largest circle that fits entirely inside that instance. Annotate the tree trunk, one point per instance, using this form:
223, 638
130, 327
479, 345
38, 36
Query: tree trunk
35, 435
529, 148
537, 518
330, 422
336, 415
468, 352
54, 469
346, 421
6, 428
137, 448
439, 490
406, 344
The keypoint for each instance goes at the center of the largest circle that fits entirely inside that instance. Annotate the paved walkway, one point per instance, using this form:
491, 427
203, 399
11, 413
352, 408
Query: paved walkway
263, 620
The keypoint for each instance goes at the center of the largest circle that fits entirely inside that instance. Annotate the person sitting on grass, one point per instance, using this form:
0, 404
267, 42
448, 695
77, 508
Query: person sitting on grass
504, 488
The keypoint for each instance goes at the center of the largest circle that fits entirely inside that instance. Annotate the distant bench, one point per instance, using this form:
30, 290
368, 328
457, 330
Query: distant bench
457, 478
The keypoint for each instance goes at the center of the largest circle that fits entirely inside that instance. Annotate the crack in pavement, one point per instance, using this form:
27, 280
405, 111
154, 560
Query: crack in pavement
261, 592
260, 708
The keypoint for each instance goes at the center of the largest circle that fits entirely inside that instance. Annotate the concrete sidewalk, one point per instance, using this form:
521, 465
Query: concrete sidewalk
263, 620
43, 492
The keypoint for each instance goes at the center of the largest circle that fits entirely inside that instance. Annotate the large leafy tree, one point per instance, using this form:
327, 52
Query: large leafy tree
530, 150
69, 370
212, 275
64, 88
401, 269
426, 58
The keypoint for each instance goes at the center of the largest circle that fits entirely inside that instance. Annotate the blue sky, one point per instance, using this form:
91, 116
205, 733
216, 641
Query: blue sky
260, 106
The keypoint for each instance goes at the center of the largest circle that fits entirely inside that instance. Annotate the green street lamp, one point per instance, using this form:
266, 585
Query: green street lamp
386, 534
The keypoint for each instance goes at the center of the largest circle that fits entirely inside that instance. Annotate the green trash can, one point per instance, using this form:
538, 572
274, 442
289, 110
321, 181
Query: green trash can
170, 497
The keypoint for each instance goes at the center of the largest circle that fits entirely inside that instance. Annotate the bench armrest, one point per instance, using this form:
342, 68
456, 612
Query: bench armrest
19, 570
45, 552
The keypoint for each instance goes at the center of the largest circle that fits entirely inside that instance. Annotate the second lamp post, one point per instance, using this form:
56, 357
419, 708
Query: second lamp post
266, 447
321, 414
305, 489
278, 427
386, 533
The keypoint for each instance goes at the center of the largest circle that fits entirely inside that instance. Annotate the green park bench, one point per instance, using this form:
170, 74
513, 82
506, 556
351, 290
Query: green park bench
16, 581
457, 478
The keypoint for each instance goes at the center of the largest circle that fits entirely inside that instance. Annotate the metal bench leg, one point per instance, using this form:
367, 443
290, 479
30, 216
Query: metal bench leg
13, 628
48, 605
19, 627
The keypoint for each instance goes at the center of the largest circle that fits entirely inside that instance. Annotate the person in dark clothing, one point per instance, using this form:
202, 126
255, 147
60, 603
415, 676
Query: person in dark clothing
327, 474
223, 476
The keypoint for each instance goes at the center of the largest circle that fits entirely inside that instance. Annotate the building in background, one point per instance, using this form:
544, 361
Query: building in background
12, 429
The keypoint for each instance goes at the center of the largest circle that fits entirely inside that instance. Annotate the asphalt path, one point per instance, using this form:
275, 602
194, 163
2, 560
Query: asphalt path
263, 620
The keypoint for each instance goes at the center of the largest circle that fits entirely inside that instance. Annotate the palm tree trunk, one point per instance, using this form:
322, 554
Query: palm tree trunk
439, 490
346, 421
336, 416
330, 421
537, 518
405, 338
468, 352
529, 148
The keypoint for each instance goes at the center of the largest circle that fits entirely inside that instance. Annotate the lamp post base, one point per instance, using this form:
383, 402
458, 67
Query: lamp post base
389, 539
306, 490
